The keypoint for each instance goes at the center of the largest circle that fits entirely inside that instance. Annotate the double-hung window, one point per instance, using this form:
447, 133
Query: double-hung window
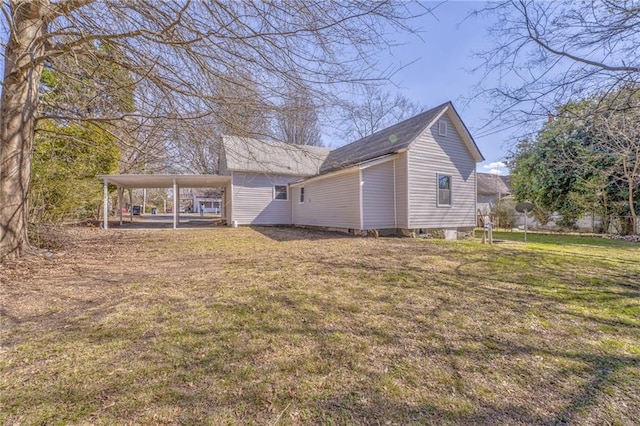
444, 190
301, 194
280, 192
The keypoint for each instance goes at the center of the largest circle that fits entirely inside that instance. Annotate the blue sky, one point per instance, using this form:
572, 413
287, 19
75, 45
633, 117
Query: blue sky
444, 58
439, 71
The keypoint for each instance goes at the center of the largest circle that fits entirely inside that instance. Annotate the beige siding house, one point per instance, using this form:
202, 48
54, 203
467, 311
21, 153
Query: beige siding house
417, 175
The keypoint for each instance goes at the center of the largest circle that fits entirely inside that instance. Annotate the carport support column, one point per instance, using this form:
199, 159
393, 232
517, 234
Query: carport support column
120, 199
105, 205
175, 204
130, 191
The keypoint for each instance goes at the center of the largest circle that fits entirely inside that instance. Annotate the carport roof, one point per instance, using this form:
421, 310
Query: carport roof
166, 181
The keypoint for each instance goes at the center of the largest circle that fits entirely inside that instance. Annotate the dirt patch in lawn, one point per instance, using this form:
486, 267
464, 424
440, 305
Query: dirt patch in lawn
287, 326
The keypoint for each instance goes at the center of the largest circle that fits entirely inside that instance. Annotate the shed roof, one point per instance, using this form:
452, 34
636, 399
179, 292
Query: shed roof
254, 155
489, 184
166, 181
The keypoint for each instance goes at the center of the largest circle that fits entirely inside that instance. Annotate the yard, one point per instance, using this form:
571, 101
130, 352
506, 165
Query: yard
282, 326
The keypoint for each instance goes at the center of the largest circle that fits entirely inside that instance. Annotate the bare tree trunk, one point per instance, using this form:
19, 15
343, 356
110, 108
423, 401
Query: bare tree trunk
18, 112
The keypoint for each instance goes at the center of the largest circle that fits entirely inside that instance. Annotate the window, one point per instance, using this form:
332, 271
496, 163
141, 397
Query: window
280, 192
442, 128
301, 194
444, 190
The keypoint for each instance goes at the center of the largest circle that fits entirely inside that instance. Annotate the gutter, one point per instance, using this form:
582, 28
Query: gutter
353, 168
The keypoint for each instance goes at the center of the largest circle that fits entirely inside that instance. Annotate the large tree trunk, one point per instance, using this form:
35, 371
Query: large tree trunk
17, 121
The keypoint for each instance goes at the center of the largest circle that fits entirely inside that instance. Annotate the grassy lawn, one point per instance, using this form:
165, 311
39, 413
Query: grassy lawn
280, 326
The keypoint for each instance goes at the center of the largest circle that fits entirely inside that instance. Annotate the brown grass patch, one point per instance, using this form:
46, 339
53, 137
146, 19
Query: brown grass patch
269, 325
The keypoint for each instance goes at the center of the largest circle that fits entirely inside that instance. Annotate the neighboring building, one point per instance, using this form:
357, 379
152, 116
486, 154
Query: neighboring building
491, 189
418, 175
208, 199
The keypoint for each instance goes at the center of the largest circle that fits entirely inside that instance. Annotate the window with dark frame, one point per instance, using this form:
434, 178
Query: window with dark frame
301, 194
280, 192
444, 190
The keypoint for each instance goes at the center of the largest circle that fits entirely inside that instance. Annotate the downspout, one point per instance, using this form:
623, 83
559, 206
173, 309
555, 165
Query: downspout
395, 197
233, 210
407, 163
361, 198
291, 200
475, 186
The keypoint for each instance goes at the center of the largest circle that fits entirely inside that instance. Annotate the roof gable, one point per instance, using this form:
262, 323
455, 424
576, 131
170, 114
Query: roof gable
386, 141
460, 128
490, 184
253, 155
258, 156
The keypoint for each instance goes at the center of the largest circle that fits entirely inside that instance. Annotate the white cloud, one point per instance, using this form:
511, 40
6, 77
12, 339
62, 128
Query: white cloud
494, 165
496, 168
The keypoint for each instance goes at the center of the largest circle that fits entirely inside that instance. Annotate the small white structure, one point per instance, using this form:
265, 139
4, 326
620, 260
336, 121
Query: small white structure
208, 204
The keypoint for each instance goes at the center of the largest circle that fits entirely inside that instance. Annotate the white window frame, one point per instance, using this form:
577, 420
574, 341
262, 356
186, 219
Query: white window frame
286, 193
442, 127
438, 189
303, 194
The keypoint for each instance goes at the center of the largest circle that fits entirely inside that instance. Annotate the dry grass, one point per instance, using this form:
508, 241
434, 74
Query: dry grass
281, 326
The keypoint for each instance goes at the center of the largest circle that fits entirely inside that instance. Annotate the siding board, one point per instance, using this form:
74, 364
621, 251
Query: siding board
402, 193
331, 202
378, 196
253, 202
432, 154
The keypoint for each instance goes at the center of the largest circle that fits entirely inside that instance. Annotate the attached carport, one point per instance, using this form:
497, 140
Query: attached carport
159, 181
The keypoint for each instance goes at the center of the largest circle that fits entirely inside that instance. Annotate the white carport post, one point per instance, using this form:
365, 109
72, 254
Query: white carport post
175, 204
105, 205
120, 199
130, 191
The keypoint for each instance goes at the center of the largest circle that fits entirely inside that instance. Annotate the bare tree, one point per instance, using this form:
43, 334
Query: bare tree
619, 145
194, 146
176, 54
548, 53
375, 110
296, 122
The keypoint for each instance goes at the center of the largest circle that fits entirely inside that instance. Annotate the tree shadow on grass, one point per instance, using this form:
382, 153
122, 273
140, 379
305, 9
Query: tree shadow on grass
316, 357
289, 233
201, 370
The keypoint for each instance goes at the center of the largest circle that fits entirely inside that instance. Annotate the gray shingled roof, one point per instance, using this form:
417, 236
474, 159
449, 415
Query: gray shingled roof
381, 143
254, 155
490, 184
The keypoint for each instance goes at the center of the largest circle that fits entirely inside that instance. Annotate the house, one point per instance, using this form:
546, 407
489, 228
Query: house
207, 199
491, 189
415, 176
